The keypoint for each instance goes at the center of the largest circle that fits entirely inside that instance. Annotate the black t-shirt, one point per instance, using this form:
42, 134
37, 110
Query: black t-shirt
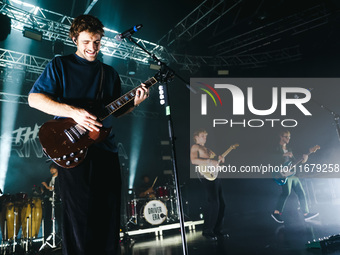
73, 80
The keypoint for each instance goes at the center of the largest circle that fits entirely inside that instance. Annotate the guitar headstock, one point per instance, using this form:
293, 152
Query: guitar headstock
314, 149
234, 146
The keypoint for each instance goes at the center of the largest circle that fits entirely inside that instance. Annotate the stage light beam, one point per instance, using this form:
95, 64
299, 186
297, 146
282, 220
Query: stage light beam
138, 128
12, 84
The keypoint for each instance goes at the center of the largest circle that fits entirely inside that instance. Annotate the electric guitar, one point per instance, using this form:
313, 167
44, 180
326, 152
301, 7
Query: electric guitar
66, 142
290, 168
209, 171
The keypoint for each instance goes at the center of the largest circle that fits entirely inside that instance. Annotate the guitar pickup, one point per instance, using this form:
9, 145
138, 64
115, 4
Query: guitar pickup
69, 136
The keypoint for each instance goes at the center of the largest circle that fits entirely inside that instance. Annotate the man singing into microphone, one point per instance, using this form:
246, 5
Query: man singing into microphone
90, 192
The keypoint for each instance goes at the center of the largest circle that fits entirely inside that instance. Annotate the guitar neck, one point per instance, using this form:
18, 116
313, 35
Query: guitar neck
301, 159
124, 99
226, 152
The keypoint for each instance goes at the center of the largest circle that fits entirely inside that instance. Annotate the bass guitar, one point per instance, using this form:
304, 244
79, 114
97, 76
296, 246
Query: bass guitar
66, 142
289, 168
210, 171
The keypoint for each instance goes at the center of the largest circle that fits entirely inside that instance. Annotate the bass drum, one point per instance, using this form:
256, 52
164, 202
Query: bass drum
32, 210
155, 212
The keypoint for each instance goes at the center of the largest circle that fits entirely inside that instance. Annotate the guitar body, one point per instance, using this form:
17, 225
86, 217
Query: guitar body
64, 145
209, 171
205, 171
66, 142
281, 177
290, 168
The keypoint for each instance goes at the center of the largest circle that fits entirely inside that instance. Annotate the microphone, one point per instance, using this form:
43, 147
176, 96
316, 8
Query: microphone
128, 33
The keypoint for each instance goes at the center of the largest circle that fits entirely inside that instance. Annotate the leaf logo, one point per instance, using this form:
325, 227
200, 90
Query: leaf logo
210, 94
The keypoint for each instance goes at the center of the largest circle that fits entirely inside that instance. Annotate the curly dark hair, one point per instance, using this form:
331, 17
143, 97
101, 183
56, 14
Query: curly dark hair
86, 23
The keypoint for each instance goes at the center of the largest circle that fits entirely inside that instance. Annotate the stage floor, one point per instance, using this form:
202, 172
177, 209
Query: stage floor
250, 233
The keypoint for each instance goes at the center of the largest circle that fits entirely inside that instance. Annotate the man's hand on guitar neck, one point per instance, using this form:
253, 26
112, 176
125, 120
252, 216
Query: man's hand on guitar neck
142, 93
305, 158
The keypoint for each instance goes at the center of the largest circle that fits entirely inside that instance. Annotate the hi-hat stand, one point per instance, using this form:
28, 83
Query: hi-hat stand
166, 75
51, 239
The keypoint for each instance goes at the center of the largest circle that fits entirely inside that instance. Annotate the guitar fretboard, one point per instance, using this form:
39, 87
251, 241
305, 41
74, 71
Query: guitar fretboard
229, 150
226, 152
126, 98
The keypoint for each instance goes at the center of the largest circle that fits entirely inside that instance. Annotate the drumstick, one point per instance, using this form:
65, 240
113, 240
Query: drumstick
154, 182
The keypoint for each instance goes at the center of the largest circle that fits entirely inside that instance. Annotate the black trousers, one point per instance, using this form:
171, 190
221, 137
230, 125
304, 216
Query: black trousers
214, 208
90, 195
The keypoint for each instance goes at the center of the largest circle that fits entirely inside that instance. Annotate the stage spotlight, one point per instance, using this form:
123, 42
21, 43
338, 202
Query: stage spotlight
5, 27
132, 67
32, 34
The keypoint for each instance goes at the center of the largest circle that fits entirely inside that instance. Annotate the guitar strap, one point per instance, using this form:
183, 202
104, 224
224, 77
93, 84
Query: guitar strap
99, 94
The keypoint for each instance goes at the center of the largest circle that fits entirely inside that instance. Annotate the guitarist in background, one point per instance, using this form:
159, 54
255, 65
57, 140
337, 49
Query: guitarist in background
91, 191
215, 204
283, 154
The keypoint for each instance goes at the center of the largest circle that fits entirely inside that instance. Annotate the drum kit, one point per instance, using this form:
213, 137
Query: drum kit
156, 208
21, 211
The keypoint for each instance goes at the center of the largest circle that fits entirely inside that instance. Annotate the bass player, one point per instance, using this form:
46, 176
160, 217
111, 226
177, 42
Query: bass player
283, 154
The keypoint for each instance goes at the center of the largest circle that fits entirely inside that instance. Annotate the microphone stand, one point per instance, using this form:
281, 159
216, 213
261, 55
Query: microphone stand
168, 70
335, 115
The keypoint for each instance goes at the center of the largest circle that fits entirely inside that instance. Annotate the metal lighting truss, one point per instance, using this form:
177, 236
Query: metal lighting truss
193, 63
17, 61
208, 12
55, 26
204, 15
273, 31
13, 63
13, 98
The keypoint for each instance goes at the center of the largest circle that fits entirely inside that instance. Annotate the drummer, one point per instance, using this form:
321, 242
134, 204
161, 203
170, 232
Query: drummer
50, 185
145, 190
52, 181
